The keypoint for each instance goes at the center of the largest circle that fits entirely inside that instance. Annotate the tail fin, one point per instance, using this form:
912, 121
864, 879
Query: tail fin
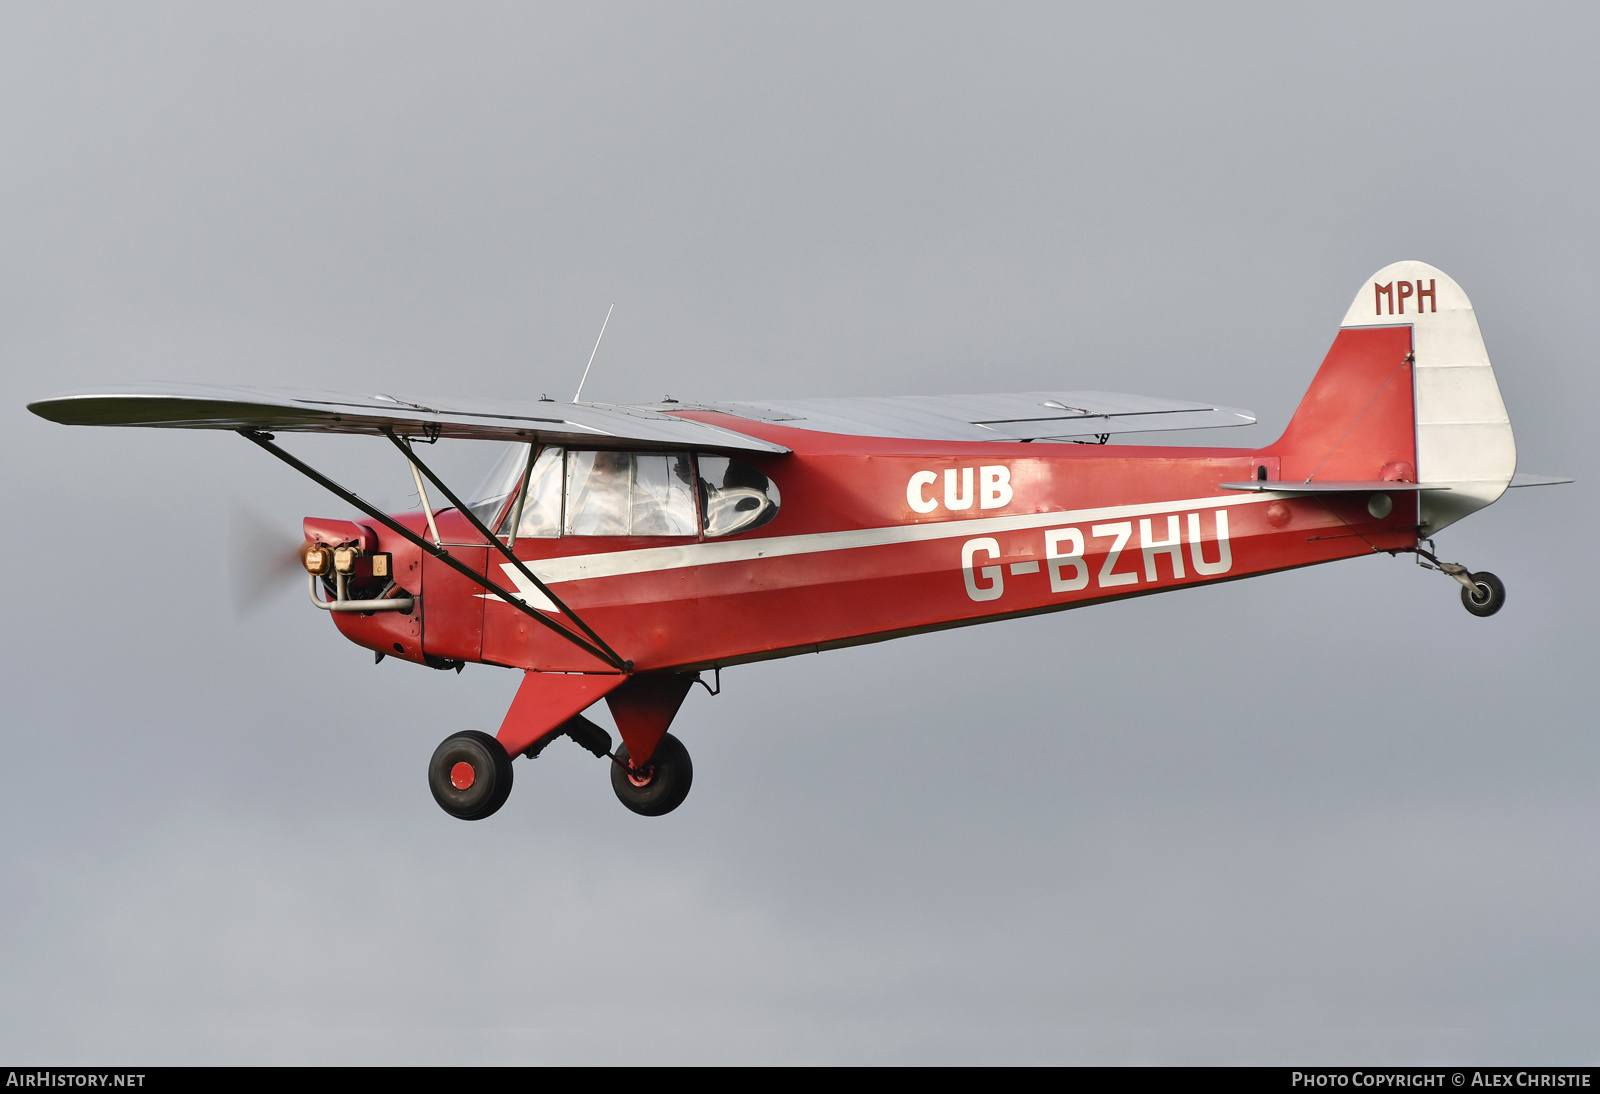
1406, 392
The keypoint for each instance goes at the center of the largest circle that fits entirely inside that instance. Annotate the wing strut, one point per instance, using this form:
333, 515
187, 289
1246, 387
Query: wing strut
597, 649
406, 450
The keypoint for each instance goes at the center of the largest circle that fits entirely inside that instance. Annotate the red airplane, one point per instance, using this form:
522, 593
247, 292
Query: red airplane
620, 552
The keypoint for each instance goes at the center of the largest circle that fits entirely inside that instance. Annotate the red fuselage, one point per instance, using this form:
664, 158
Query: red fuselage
849, 560
878, 538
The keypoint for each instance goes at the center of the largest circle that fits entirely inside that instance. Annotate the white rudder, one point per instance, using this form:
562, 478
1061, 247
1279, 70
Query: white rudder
1463, 433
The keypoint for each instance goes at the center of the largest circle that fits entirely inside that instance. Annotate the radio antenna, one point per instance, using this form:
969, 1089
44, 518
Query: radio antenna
596, 349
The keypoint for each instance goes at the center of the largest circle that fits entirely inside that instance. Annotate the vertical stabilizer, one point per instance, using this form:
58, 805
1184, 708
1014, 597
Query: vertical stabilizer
1463, 435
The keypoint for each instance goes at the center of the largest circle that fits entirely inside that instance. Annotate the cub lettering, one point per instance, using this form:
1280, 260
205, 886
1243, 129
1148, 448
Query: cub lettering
992, 486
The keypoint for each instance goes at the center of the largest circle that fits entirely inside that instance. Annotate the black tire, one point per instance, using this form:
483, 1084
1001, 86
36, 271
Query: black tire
664, 784
1486, 596
490, 783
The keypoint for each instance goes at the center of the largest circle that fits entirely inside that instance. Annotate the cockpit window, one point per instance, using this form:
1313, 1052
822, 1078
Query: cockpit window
629, 494
610, 493
541, 509
734, 497
663, 494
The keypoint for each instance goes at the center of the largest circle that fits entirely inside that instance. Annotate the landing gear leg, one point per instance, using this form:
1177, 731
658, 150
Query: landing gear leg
1482, 593
470, 775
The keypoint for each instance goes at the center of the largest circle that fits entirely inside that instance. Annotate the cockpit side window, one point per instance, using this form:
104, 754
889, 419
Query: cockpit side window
734, 497
612, 493
629, 494
663, 494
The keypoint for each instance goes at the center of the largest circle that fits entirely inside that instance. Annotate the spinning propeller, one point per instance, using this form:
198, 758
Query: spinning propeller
262, 557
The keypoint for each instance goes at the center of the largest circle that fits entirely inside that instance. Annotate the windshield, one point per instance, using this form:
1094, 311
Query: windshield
541, 508
490, 496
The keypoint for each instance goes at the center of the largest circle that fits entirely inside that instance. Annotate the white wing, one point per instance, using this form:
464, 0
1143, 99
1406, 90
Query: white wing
276, 410
1024, 416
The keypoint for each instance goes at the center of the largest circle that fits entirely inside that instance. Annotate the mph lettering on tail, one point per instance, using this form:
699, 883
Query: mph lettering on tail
1398, 292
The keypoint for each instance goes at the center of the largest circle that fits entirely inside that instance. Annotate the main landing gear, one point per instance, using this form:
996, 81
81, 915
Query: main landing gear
1482, 593
470, 773
661, 785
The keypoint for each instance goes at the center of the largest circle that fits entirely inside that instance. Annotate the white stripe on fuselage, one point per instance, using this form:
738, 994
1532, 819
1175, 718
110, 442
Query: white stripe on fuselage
652, 559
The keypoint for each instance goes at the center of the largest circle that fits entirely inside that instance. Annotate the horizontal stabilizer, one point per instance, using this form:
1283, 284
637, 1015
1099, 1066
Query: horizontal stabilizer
1276, 487
1023, 416
1522, 478
204, 406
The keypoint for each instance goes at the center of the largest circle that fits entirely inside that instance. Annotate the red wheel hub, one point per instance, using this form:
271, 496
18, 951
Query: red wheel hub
641, 776
462, 776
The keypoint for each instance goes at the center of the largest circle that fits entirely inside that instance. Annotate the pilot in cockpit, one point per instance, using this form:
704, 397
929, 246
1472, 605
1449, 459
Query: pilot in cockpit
599, 505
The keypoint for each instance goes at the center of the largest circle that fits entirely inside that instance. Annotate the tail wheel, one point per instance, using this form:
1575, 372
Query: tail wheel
661, 785
470, 775
1486, 596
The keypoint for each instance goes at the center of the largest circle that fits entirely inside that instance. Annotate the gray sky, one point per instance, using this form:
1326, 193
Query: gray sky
1324, 816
